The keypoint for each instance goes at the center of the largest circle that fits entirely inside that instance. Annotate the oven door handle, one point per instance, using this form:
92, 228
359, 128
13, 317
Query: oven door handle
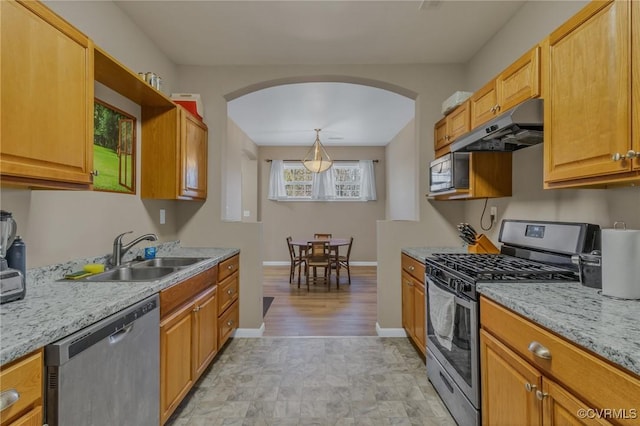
459, 300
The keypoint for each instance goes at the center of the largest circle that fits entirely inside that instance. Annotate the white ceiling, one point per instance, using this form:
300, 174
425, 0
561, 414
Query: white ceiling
265, 32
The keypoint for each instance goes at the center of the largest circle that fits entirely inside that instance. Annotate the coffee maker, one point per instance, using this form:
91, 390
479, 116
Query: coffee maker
12, 281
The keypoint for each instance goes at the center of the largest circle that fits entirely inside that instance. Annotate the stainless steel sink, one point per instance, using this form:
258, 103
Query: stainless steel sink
132, 274
171, 262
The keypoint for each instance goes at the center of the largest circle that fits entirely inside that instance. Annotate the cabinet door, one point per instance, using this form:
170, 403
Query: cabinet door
47, 98
508, 386
563, 408
587, 87
193, 136
520, 81
440, 135
407, 303
483, 104
458, 122
205, 331
635, 68
419, 315
176, 357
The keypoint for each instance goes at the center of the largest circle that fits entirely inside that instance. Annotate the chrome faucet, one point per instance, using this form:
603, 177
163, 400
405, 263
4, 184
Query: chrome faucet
119, 250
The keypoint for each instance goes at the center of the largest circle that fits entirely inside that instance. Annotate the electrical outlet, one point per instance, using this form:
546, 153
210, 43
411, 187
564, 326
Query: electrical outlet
494, 214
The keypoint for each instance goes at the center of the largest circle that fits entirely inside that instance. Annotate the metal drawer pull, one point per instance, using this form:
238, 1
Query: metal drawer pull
196, 309
541, 395
411, 268
538, 350
230, 323
529, 387
230, 267
230, 291
8, 398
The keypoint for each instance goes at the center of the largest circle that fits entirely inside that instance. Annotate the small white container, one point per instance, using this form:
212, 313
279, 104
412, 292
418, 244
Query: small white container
454, 100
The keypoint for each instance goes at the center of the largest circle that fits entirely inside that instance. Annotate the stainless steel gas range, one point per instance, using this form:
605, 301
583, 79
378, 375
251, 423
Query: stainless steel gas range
532, 251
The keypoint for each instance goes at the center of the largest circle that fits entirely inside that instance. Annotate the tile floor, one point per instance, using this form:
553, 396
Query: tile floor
314, 381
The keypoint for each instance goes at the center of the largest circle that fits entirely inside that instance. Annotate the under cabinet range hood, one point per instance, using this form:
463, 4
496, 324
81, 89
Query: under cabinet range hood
517, 128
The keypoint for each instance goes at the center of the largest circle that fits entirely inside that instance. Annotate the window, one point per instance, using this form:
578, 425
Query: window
297, 180
344, 181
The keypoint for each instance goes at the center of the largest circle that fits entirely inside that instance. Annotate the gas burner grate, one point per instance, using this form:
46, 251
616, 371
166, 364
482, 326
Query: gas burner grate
499, 267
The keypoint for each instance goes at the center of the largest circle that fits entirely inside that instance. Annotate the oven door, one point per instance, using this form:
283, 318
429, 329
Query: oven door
458, 354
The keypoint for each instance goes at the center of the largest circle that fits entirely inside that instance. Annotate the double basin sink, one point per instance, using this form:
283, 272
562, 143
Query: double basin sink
146, 270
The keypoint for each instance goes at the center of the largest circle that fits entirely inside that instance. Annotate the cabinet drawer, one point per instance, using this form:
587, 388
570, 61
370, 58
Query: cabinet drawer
413, 267
228, 267
227, 292
176, 295
578, 370
25, 377
227, 322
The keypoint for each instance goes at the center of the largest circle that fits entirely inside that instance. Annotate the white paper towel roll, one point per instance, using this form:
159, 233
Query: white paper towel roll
621, 263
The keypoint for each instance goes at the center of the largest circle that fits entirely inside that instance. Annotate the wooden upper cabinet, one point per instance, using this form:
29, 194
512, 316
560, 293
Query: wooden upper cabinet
193, 156
517, 83
174, 154
587, 92
451, 127
47, 99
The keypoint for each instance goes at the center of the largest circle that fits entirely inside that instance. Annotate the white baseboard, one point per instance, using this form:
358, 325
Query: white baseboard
287, 263
249, 332
390, 332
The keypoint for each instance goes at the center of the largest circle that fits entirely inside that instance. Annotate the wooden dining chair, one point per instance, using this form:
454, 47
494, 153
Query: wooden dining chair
322, 236
296, 260
343, 262
318, 256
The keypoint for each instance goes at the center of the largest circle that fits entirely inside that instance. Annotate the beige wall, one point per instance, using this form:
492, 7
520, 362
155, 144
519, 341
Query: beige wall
529, 201
301, 220
248, 189
402, 166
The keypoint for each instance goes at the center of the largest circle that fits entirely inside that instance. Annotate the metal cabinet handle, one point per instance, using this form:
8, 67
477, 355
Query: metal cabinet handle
8, 398
631, 154
230, 291
541, 395
196, 309
529, 387
230, 267
538, 350
411, 268
230, 323
498, 107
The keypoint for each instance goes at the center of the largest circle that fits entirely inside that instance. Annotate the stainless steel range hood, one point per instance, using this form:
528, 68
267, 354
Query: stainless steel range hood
517, 128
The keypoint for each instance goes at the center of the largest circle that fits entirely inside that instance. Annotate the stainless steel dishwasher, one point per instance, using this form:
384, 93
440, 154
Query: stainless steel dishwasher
107, 373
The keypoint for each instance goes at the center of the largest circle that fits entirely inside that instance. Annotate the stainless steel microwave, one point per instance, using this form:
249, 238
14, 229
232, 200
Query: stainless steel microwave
449, 172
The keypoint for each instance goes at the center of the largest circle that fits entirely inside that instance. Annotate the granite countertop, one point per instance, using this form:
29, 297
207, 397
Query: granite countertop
52, 310
605, 326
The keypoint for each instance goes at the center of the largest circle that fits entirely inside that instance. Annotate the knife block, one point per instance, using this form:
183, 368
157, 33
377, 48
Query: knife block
483, 245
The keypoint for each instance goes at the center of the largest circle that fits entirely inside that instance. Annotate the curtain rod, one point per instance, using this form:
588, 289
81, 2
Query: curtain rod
268, 160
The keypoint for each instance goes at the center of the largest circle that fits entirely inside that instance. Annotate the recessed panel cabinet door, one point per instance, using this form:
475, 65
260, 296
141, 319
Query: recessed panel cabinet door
635, 68
587, 93
205, 330
47, 96
194, 157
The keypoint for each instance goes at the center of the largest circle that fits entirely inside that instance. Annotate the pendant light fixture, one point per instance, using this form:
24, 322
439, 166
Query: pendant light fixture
317, 160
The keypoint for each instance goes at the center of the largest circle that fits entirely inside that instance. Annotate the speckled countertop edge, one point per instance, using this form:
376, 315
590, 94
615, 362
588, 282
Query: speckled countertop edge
605, 326
52, 310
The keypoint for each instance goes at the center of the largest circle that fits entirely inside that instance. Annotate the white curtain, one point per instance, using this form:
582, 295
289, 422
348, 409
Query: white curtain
277, 190
368, 181
323, 185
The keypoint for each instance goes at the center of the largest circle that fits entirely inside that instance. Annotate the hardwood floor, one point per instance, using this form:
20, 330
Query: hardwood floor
349, 311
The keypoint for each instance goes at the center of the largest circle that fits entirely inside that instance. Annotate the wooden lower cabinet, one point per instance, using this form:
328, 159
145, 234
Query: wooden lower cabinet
188, 344
228, 300
571, 387
413, 301
25, 377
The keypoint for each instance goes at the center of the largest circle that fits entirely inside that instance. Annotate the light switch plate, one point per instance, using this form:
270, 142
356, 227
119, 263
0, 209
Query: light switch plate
247, 213
163, 217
